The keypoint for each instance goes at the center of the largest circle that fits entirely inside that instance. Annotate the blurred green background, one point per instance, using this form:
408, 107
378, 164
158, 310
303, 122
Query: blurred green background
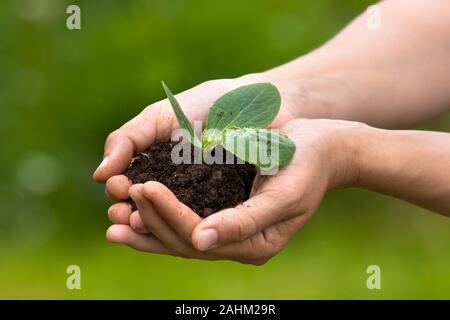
62, 92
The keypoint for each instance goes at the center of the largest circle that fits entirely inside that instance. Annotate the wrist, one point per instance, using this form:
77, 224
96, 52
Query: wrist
313, 93
348, 154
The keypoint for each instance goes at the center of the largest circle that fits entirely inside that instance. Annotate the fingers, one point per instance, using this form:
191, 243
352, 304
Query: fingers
137, 224
242, 222
117, 188
154, 223
119, 151
255, 250
179, 216
249, 251
126, 235
148, 243
119, 213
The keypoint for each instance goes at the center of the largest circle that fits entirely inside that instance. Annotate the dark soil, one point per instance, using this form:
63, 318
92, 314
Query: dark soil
205, 188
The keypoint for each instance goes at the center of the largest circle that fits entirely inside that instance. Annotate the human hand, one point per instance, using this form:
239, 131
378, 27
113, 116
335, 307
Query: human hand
256, 230
156, 122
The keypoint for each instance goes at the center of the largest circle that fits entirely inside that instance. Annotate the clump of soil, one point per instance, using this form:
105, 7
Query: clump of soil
205, 188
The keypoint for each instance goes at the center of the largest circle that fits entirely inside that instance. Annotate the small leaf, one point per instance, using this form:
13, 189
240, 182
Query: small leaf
250, 106
181, 117
264, 148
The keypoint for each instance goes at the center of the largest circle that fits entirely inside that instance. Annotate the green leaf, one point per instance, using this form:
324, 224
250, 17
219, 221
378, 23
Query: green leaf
264, 148
181, 117
250, 106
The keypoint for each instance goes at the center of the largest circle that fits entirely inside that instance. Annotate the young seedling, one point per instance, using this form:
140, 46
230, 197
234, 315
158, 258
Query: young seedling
237, 121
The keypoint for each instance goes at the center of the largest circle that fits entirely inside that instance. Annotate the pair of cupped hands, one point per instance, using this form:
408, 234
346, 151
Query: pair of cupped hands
255, 230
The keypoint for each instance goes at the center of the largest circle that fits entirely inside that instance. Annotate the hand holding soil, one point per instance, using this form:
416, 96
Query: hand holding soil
348, 78
253, 231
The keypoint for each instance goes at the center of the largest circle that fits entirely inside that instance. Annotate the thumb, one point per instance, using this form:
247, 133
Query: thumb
242, 222
118, 154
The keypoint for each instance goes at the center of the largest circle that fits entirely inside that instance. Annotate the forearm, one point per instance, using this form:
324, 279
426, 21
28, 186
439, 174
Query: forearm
411, 165
394, 77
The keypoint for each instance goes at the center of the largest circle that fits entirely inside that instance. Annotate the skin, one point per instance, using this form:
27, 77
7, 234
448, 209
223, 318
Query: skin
404, 84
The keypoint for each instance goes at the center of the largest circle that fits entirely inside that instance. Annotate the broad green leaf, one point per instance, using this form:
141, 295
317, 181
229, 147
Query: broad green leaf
264, 148
181, 117
250, 106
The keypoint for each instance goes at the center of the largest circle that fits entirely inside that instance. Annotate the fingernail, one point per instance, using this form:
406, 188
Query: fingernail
207, 238
103, 163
